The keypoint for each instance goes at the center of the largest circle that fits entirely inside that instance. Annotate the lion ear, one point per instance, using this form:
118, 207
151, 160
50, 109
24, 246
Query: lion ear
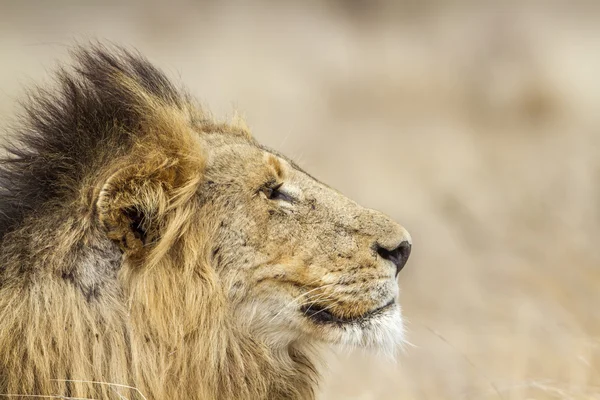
136, 204
130, 205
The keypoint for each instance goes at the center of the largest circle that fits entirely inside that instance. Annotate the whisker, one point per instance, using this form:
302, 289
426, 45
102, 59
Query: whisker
321, 310
316, 300
296, 299
103, 383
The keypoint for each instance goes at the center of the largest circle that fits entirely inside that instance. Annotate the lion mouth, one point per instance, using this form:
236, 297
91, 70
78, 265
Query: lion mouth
321, 315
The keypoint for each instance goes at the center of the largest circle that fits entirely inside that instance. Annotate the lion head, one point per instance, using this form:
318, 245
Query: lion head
146, 244
297, 258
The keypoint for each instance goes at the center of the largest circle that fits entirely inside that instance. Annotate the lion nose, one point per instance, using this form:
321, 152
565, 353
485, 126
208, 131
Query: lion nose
399, 255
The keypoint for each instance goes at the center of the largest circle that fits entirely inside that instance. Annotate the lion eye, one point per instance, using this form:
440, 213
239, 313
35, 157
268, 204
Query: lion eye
275, 193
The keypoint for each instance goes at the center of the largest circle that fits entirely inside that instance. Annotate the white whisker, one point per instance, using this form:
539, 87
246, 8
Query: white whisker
296, 299
103, 383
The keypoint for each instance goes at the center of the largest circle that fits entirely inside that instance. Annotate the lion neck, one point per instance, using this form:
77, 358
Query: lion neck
196, 333
167, 332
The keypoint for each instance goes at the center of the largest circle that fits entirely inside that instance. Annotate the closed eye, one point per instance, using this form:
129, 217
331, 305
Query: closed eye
275, 193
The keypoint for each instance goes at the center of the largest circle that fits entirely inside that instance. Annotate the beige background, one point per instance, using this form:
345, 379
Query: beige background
476, 125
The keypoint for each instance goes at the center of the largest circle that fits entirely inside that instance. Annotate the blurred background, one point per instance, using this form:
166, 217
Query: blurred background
474, 124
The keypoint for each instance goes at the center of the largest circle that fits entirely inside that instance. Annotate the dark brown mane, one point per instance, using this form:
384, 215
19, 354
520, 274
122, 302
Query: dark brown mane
62, 130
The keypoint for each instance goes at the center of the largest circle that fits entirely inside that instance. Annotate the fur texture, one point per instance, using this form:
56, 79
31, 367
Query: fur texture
149, 251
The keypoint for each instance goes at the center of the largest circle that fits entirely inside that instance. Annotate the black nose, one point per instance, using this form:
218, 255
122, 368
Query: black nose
398, 256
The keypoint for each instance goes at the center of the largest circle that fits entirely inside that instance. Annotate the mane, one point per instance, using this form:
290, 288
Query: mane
61, 130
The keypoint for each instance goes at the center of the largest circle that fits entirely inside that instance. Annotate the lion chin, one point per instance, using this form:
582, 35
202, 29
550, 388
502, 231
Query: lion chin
381, 330
150, 251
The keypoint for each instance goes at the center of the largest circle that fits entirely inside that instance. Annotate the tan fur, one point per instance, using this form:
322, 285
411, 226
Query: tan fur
171, 271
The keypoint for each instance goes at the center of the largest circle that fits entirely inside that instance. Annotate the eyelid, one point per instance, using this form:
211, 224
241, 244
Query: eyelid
280, 194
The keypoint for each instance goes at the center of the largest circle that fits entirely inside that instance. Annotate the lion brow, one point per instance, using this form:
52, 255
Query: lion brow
291, 162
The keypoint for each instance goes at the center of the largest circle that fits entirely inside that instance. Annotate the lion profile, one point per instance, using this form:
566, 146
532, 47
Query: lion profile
149, 251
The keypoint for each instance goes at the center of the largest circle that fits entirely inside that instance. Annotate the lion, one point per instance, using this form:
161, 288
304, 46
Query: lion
150, 251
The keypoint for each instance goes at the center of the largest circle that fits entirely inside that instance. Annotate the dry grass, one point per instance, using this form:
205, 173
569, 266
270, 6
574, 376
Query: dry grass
476, 127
